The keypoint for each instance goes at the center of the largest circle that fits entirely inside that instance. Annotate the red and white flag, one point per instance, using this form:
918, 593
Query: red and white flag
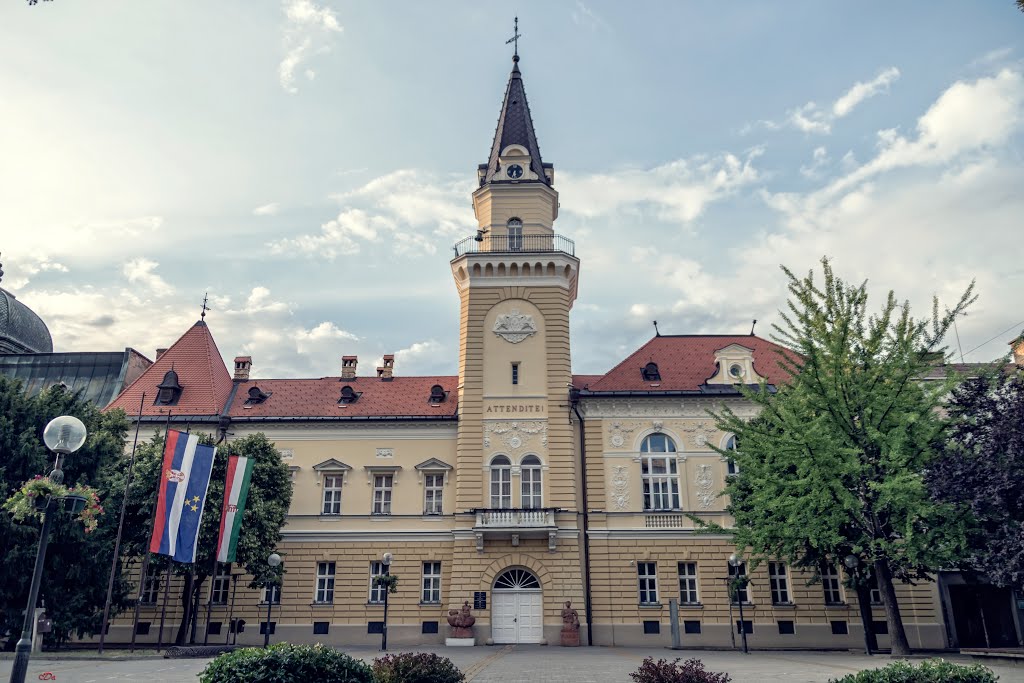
236, 491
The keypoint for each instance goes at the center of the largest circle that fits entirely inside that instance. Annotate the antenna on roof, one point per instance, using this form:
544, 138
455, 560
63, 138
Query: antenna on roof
656, 333
752, 326
202, 316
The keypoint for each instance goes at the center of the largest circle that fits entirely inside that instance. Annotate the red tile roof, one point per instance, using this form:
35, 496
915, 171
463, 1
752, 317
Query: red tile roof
685, 362
318, 398
201, 372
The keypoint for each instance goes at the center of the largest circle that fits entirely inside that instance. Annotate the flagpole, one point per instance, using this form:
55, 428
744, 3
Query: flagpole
163, 610
145, 558
231, 610
209, 601
120, 528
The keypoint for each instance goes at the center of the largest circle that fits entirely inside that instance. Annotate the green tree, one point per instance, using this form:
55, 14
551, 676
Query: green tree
270, 495
833, 464
75, 573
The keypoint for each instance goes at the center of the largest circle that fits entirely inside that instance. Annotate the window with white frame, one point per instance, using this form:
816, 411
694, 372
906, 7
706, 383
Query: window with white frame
659, 473
376, 592
740, 593
501, 483
324, 582
220, 587
271, 592
778, 579
332, 493
830, 584
433, 492
874, 595
515, 234
382, 488
151, 586
647, 578
688, 583
731, 468
431, 582
530, 480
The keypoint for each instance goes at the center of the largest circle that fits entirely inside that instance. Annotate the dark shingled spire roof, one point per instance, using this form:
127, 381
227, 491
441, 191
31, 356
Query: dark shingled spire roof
515, 127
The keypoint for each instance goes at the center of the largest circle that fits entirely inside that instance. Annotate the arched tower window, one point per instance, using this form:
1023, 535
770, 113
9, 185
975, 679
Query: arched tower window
530, 477
515, 234
659, 473
501, 483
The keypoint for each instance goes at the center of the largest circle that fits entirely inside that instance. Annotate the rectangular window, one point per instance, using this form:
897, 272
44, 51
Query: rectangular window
515, 373
688, 583
731, 468
515, 237
660, 479
274, 594
429, 627
786, 628
839, 628
875, 594
376, 592
321, 628
830, 584
779, 582
324, 582
213, 628
382, 485
880, 628
652, 627
151, 587
529, 478
691, 626
433, 488
332, 494
647, 575
265, 626
739, 594
745, 626
221, 585
501, 484
431, 582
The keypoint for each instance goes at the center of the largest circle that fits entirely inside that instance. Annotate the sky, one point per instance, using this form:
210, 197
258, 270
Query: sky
309, 164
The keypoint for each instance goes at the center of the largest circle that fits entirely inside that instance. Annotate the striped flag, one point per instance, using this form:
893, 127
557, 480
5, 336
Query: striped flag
236, 491
184, 481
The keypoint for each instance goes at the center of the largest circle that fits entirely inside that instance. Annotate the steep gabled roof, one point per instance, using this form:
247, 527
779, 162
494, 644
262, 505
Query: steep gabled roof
686, 362
515, 127
205, 381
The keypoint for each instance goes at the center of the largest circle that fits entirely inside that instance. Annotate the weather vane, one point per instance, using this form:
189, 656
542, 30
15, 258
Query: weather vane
202, 316
515, 38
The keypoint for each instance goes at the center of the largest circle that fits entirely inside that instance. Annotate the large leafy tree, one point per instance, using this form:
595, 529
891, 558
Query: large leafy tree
269, 497
833, 464
982, 467
75, 573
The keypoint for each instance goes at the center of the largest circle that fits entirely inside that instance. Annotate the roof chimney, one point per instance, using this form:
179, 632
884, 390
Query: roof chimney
242, 366
160, 352
1017, 350
387, 371
348, 366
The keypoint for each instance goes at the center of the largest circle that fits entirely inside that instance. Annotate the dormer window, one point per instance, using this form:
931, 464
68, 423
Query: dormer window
650, 373
438, 394
348, 395
515, 234
257, 396
169, 390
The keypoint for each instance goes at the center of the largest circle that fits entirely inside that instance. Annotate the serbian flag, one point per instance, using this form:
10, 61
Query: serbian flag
184, 480
236, 491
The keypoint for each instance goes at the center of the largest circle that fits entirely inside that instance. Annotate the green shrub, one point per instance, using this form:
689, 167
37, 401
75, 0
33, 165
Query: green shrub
286, 663
419, 667
663, 671
930, 671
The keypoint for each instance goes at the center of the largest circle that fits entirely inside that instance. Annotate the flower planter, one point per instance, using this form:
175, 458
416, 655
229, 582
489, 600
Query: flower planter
74, 503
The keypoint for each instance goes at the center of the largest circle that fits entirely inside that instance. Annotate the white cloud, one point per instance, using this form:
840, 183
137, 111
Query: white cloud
141, 271
862, 91
819, 160
584, 16
428, 357
259, 301
270, 209
306, 24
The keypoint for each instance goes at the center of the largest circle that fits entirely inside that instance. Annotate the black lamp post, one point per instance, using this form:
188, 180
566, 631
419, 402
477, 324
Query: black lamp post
387, 558
740, 583
855, 567
274, 561
62, 435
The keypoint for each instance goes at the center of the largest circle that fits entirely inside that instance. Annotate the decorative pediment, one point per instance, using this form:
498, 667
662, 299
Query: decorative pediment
331, 465
514, 326
434, 465
735, 366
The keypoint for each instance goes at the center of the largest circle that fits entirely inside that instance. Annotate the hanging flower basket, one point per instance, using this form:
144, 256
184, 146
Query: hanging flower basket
32, 499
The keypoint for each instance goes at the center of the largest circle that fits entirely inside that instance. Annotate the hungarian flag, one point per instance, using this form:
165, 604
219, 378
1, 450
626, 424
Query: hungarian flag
184, 481
236, 491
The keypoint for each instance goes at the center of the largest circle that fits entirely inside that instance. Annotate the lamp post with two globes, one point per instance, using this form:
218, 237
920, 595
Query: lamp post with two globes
63, 435
739, 582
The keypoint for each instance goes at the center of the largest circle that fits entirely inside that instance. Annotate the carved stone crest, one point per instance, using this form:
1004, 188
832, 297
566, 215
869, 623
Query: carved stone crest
515, 434
705, 487
701, 433
617, 433
514, 327
620, 487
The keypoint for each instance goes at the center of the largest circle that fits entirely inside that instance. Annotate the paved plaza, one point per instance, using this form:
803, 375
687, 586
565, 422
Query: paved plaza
519, 663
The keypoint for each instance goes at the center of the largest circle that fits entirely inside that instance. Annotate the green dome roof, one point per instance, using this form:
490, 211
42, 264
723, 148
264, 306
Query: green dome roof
21, 330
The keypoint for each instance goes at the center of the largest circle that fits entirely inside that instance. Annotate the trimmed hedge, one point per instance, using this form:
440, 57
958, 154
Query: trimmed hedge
664, 671
930, 671
286, 663
419, 667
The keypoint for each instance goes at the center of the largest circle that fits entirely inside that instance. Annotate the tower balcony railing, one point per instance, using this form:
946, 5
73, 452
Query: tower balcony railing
515, 518
515, 244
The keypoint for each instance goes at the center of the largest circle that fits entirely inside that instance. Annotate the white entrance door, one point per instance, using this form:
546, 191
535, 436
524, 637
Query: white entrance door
517, 617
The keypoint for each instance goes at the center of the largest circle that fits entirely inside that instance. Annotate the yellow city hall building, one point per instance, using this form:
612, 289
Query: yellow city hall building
516, 486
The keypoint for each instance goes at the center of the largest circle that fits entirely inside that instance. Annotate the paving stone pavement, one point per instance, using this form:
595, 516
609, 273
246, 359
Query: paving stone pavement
520, 664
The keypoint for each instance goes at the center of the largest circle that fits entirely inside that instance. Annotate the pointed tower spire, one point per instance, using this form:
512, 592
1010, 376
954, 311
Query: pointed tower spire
515, 127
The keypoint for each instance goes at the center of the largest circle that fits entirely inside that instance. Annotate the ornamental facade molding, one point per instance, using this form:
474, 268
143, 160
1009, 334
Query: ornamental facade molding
705, 481
619, 493
514, 435
514, 326
659, 407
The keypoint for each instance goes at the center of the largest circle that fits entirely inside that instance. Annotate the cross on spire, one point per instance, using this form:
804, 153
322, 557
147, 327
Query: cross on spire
202, 316
515, 40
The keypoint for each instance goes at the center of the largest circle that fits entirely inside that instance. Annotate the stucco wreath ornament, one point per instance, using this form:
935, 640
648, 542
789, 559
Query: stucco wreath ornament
31, 500
514, 326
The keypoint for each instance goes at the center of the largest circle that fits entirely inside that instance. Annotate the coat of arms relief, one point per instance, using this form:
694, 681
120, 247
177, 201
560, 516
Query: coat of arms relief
514, 327
514, 435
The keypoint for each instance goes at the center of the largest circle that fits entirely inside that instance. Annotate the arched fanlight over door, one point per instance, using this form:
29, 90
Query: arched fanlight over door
516, 579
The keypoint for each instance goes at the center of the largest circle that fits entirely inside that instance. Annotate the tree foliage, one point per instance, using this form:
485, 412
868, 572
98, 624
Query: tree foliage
74, 583
833, 463
982, 468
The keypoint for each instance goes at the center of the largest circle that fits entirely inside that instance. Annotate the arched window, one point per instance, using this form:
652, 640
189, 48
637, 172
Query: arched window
731, 468
659, 473
516, 580
530, 476
501, 483
650, 372
515, 234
